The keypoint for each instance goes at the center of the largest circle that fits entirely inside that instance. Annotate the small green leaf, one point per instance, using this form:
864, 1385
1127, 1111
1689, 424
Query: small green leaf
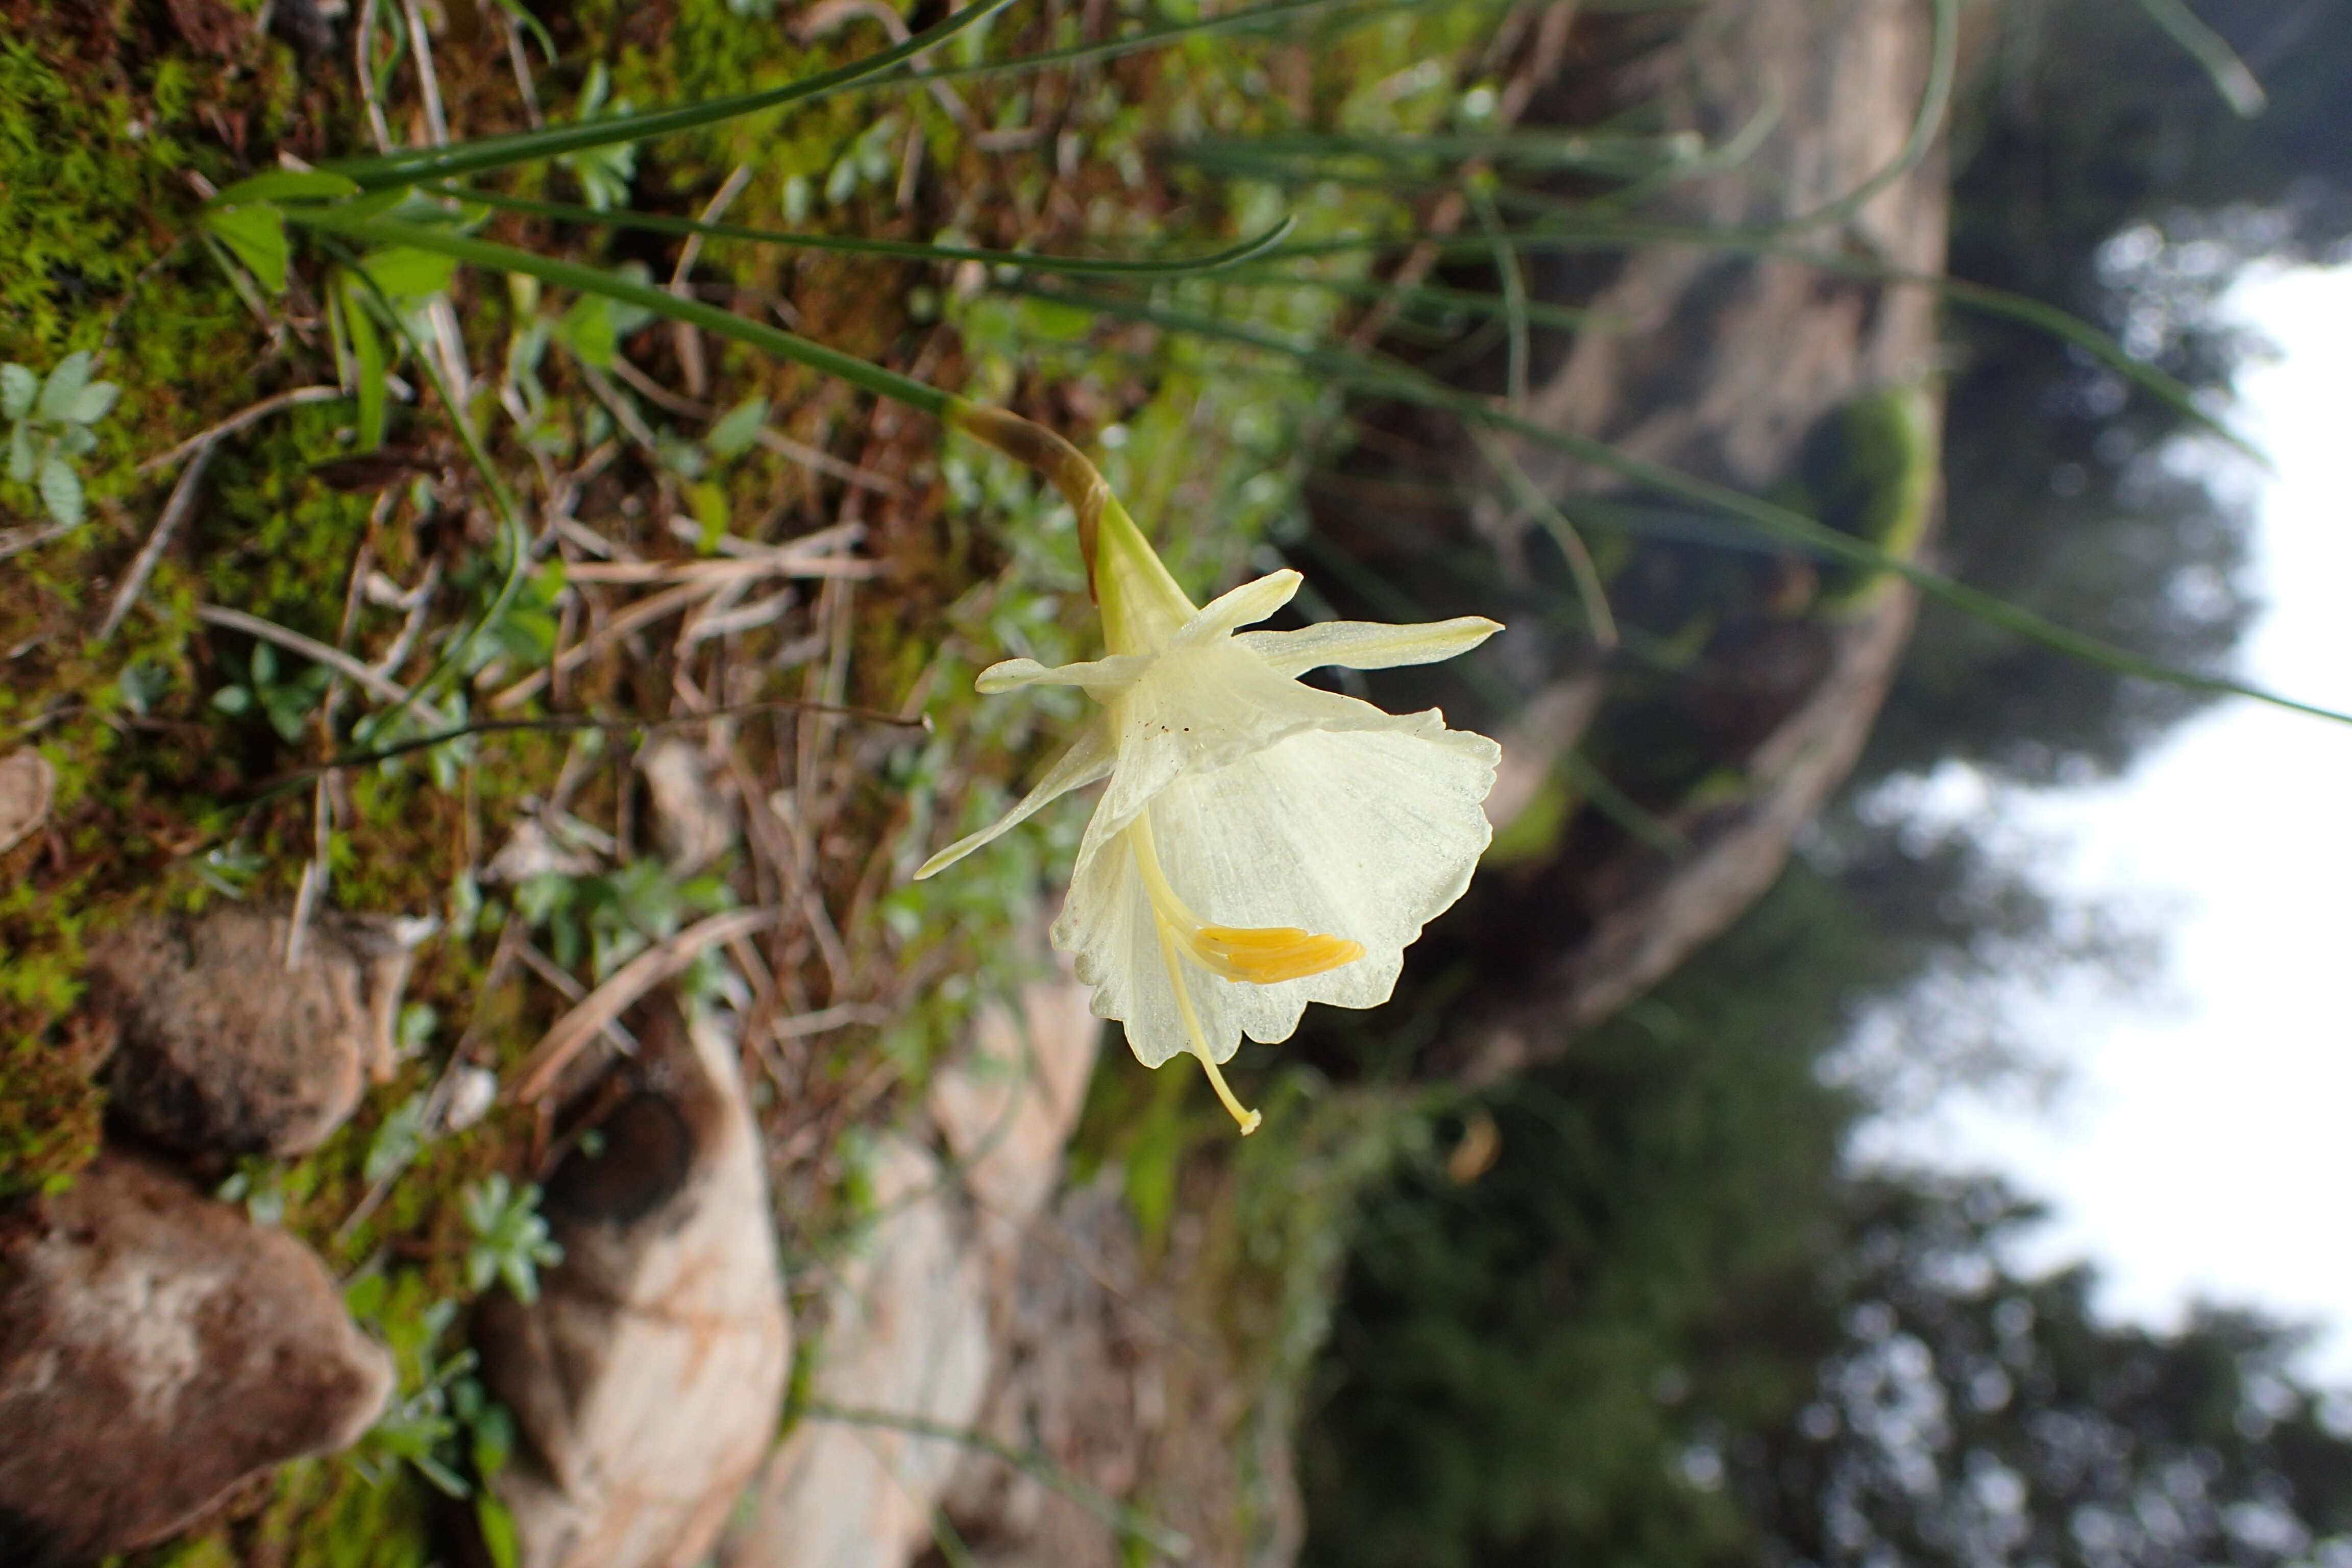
77, 440
61, 491
367, 352
586, 329
255, 235
18, 387
499, 1538
396, 1142
20, 453
64, 387
97, 400
286, 185
735, 433
404, 272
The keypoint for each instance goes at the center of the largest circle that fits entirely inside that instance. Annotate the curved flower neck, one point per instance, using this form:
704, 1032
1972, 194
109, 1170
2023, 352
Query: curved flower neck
1143, 606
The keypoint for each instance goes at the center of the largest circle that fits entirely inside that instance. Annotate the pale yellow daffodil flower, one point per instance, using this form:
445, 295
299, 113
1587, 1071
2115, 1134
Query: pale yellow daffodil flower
1262, 844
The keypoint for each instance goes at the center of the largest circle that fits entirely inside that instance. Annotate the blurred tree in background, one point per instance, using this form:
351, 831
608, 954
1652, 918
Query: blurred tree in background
1646, 1314
2097, 168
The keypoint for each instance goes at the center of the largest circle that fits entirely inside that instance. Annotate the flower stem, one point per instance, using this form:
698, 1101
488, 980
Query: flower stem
1080, 482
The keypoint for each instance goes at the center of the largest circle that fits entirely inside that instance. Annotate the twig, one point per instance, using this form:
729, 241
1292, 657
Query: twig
363, 34
785, 446
428, 85
633, 424
654, 391
617, 995
238, 421
785, 563
519, 58
839, 1016
685, 335
699, 583
18, 542
565, 986
176, 511
310, 649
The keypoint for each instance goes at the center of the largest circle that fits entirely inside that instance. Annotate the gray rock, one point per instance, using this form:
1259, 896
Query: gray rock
26, 781
221, 1049
914, 1323
693, 821
156, 1348
648, 1379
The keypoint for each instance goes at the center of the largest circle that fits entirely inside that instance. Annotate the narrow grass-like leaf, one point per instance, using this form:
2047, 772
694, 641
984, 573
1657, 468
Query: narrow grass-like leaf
255, 235
587, 279
415, 166
2232, 80
286, 186
1431, 296
1515, 289
1131, 1525
1312, 155
1590, 592
1249, 19
1616, 234
656, 222
1387, 379
1935, 102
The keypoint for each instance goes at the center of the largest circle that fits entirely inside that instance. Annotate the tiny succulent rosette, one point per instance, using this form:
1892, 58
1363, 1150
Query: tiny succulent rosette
1262, 844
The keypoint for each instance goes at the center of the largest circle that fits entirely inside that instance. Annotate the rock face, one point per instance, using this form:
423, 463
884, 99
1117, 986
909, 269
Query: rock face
1747, 369
155, 1349
221, 1049
25, 782
914, 1317
647, 1380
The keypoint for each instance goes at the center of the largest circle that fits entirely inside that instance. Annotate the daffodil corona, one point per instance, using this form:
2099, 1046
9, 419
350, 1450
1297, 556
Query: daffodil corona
1262, 844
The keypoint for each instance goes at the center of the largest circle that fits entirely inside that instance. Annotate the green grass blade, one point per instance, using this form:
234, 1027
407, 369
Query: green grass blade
1431, 296
588, 280
655, 223
1386, 379
1129, 1524
1935, 102
1515, 289
1590, 593
2232, 80
1252, 17
414, 165
1612, 234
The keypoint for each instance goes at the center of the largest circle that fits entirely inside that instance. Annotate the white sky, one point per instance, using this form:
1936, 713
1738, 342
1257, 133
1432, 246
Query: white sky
2203, 1147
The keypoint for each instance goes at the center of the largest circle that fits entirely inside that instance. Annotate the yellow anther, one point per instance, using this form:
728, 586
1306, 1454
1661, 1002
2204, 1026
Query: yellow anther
1265, 955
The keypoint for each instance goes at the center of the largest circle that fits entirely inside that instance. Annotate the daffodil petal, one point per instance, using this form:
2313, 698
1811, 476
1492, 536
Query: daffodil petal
1367, 645
1364, 834
1242, 606
1090, 757
1101, 677
1107, 925
1204, 707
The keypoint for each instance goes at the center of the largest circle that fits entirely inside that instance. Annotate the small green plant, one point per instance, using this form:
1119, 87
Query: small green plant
604, 171
615, 916
49, 429
285, 703
511, 1240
